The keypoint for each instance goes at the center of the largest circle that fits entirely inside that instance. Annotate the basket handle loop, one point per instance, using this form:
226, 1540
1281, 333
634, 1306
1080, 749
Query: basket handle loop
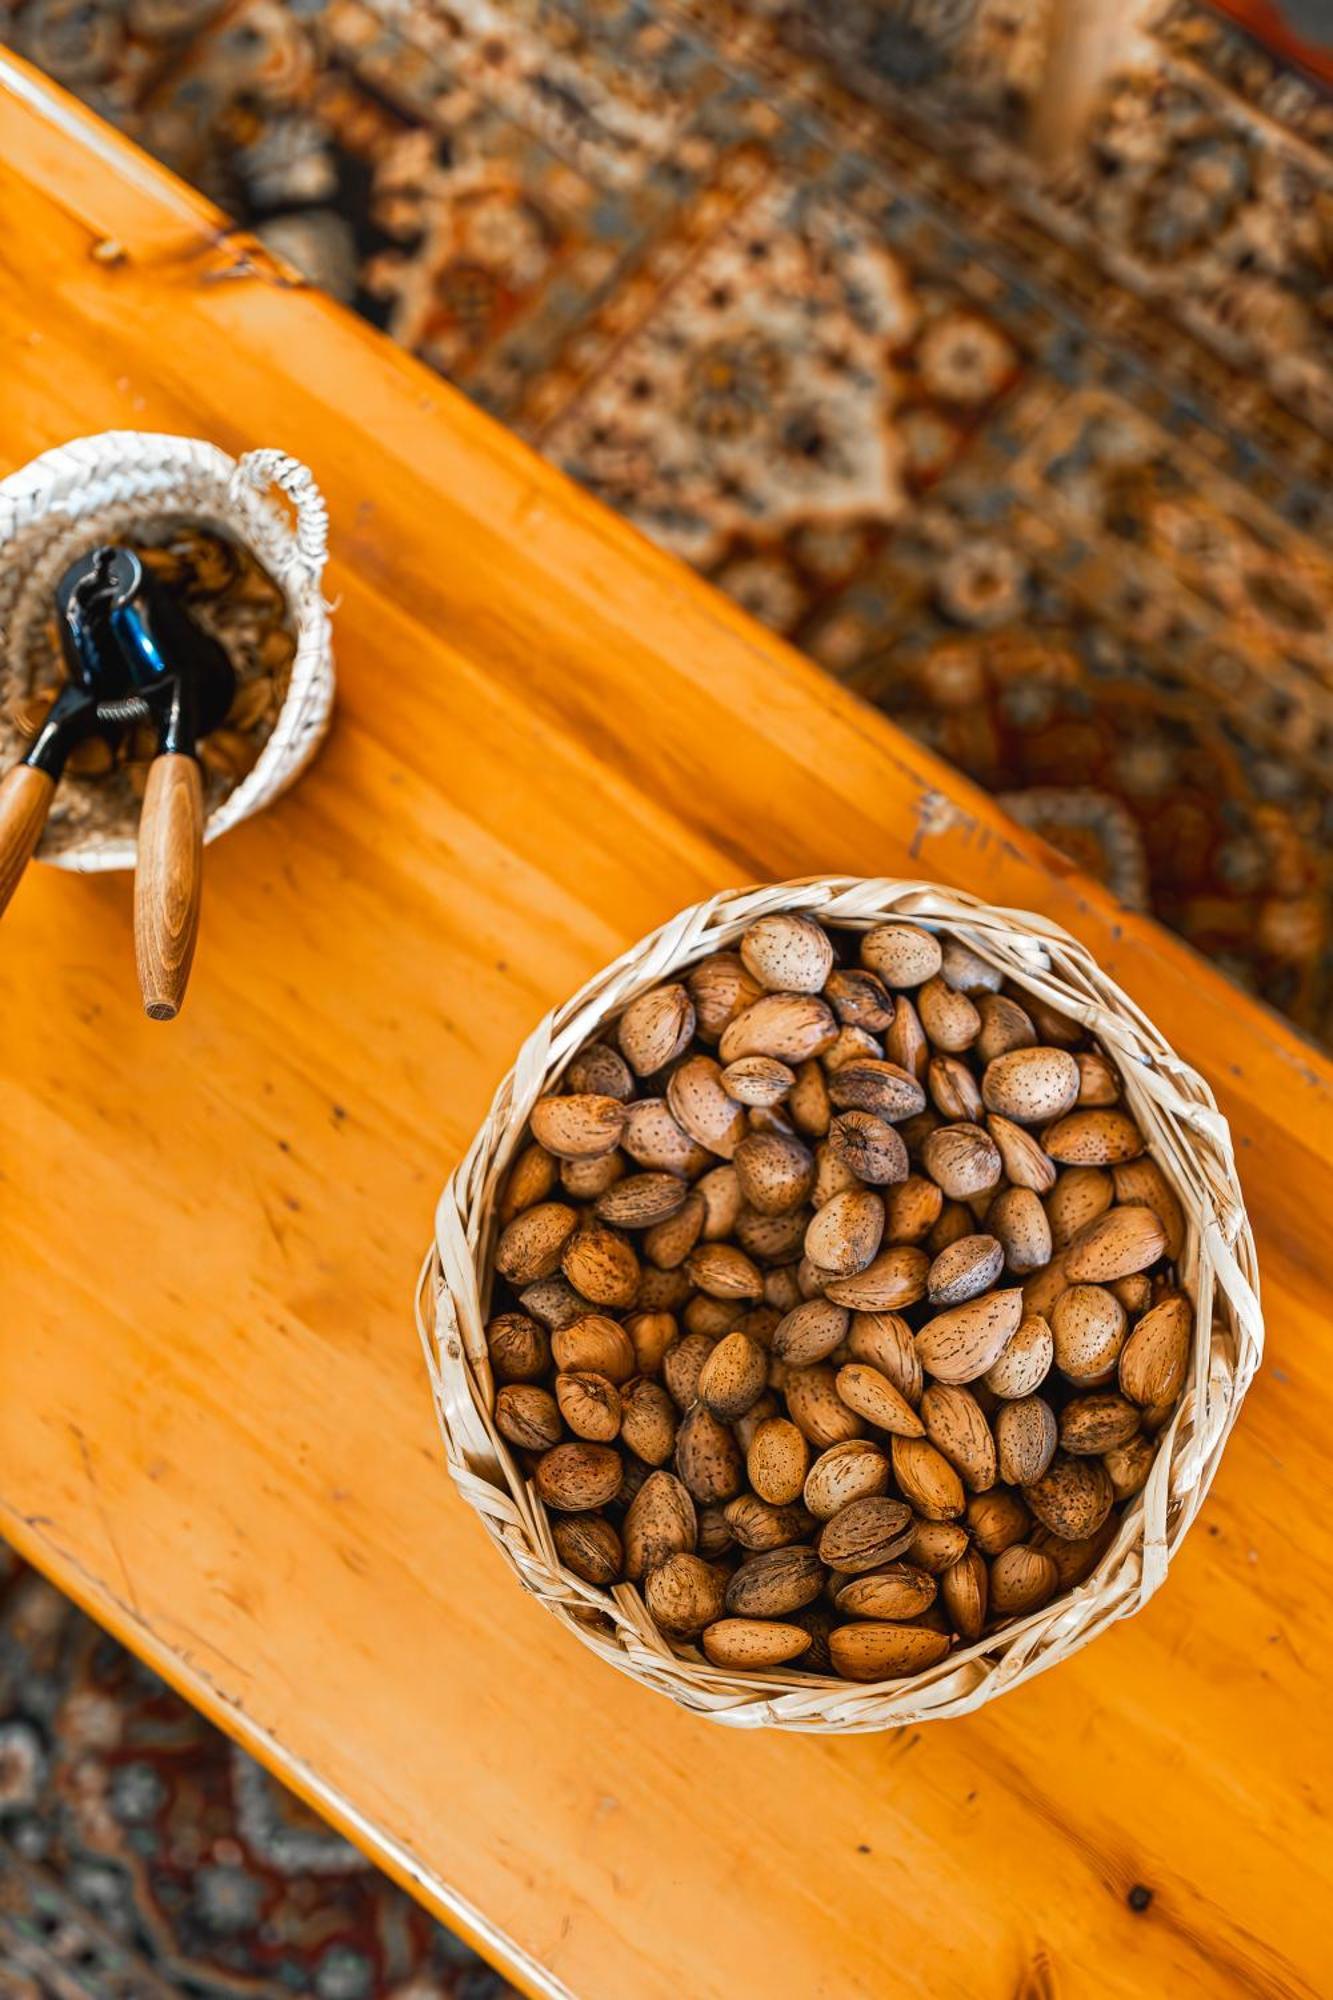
261, 469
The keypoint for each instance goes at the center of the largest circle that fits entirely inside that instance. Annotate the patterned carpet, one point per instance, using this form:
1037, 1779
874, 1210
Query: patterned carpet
144, 1857
1036, 458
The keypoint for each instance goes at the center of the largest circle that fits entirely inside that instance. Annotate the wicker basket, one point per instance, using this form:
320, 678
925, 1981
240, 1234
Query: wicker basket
97, 488
1187, 1136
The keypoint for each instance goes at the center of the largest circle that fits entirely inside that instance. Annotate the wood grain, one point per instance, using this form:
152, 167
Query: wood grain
25, 800
216, 1429
168, 882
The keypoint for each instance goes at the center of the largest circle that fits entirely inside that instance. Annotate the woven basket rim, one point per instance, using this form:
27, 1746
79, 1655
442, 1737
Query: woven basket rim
1186, 1134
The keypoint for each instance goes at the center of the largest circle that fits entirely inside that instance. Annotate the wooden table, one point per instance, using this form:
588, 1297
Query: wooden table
215, 1429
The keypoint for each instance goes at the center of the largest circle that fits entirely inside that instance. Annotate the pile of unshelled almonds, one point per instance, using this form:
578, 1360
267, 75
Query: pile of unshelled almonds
836, 1303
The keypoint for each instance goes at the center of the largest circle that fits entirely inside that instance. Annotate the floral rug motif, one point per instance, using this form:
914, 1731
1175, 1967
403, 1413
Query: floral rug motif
1036, 459
144, 1857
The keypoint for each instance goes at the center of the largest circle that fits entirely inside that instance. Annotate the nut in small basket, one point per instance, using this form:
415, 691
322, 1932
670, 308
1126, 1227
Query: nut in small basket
842, 1312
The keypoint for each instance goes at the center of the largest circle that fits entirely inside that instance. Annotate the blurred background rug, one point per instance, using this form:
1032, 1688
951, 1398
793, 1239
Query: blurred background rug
143, 1857
982, 348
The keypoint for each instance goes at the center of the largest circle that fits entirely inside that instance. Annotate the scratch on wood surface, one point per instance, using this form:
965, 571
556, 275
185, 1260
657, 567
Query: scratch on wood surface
90, 1472
936, 814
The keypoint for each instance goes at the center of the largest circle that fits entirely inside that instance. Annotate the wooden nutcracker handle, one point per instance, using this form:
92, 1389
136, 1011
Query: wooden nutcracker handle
25, 800
167, 882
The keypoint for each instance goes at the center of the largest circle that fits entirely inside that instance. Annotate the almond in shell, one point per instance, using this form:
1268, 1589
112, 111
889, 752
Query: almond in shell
601, 1265
577, 1478
905, 1040
962, 1160
1025, 1164
655, 1028
860, 1000
815, 1407
965, 1592
873, 1396
1128, 1465
668, 1243
949, 1018
749, 1645
901, 954
533, 1243
845, 1234
810, 1332
936, 1545
911, 1209
1088, 1324
898, 1591
1143, 1181
590, 1405
590, 1546
734, 1376
876, 1651
961, 1344
654, 1139
965, 1269
774, 1583
708, 1459
1097, 1423
698, 1101
684, 1594
758, 1080
852, 1470
519, 1347
996, 1520
724, 1272
1072, 1498
584, 1180
641, 1200
660, 1522
787, 953
1031, 1086
1025, 1361
594, 1344
528, 1417
1026, 1436
894, 1280
1116, 1245
953, 1089
869, 1146
865, 1534
1093, 1139
1004, 1026
531, 1179
884, 1341
757, 1525
791, 1027
776, 1172
777, 1460
720, 988
870, 1083
682, 1365
648, 1421
578, 1127
1021, 1580
601, 1071
1018, 1219
926, 1479
956, 1425
1155, 1359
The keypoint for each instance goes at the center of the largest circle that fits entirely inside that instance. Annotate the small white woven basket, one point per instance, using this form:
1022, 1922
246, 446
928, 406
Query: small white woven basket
1186, 1134
97, 488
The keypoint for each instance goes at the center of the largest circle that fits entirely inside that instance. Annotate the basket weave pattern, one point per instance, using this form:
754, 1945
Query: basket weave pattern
97, 488
1187, 1136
